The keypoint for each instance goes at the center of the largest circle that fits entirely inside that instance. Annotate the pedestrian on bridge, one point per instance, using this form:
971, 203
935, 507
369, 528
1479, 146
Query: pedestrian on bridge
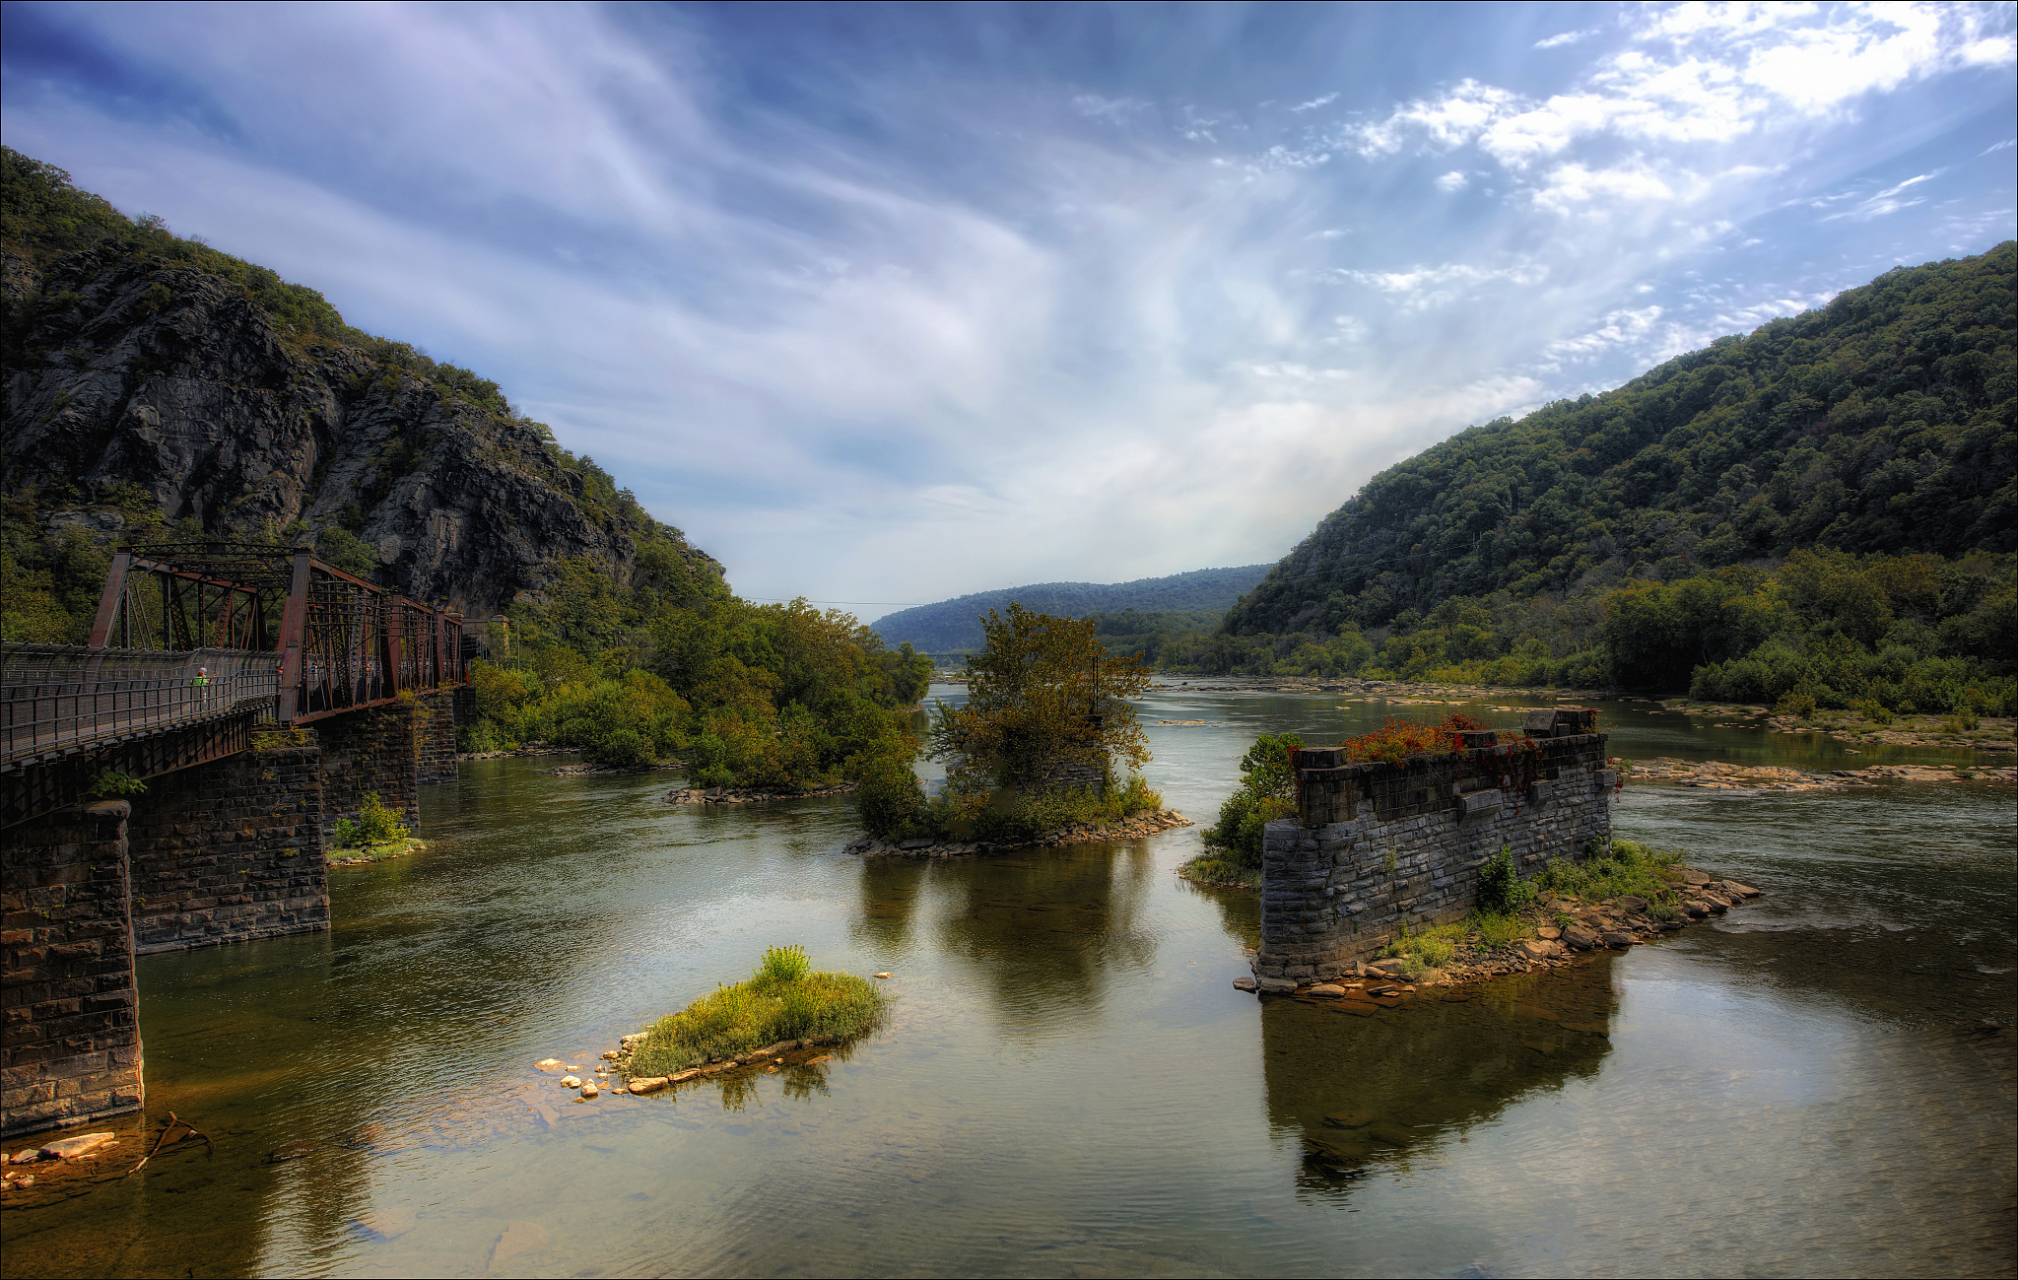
200, 685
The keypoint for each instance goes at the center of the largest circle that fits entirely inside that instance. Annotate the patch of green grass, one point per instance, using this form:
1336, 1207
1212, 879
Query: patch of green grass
1662, 911
1624, 866
1221, 869
1497, 930
784, 1000
1431, 949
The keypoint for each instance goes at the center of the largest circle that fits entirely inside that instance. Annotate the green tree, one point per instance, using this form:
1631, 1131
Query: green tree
1044, 694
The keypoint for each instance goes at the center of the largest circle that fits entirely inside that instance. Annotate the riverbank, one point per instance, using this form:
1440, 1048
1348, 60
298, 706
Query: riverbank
1135, 828
1549, 933
749, 795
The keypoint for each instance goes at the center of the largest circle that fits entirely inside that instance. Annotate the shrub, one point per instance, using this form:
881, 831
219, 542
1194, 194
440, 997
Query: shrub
1798, 703
375, 824
1873, 710
1500, 888
784, 965
888, 797
1961, 722
1663, 911
622, 749
111, 783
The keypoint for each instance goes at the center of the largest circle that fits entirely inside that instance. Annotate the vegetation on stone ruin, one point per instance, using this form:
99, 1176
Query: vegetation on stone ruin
1502, 915
1267, 790
375, 824
784, 1000
1045, 704
1397, 739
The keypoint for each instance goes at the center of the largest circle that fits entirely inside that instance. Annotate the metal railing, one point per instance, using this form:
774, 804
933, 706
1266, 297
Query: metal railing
57, 698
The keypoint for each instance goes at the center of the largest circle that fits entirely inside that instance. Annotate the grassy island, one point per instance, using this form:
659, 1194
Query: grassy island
784, 1000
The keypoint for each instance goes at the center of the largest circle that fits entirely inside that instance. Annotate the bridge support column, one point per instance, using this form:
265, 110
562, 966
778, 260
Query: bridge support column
70, 1045
231, 851
435, 719
367, 751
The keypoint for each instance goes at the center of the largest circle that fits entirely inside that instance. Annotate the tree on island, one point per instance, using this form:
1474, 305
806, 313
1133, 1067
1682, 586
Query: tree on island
1044, 700
1034, 748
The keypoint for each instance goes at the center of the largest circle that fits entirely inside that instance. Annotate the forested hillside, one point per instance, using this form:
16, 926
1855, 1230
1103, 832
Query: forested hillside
159, 388
1882, 422
1820, 513
1189, 601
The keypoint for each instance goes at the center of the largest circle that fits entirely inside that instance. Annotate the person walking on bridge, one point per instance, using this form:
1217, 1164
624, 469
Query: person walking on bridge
199, 685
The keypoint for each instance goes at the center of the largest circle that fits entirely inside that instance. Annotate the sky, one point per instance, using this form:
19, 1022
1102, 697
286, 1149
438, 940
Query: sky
885, 303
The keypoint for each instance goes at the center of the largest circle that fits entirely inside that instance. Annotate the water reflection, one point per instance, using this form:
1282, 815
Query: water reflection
1047, 932
1366, 1089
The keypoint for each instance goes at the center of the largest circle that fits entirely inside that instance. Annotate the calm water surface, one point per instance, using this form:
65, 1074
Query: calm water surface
1068, 1083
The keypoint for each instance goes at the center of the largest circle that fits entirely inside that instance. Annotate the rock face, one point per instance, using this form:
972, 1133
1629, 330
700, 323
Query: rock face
142, 380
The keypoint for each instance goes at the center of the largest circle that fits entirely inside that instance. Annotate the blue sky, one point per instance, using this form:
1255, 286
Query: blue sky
886, 303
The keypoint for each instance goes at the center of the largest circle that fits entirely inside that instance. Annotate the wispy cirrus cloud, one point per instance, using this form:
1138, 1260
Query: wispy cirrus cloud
883, 310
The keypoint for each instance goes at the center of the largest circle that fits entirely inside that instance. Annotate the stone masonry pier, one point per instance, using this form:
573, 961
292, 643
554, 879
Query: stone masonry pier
1376, 847
232, 850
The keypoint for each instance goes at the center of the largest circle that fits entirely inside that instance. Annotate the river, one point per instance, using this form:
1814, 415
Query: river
1068, 1083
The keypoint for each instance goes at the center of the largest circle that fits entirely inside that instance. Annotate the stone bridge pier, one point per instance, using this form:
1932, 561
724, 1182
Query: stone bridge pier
228, 851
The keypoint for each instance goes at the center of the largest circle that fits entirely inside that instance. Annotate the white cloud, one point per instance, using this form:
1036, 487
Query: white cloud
1324, 101
1621, 328
1890, 200
1562, 38
2005, 145
1455, 180
1420, 288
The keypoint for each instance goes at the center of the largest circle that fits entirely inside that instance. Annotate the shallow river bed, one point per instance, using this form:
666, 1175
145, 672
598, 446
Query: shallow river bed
1818, 1083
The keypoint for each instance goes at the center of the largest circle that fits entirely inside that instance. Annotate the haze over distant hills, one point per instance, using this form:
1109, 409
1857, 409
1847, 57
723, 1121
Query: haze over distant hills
954, 625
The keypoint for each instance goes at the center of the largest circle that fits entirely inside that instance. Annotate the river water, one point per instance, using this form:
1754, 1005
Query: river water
1068, 1082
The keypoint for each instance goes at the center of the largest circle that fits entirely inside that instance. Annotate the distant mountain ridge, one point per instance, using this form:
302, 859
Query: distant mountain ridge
954, 625
1883, 422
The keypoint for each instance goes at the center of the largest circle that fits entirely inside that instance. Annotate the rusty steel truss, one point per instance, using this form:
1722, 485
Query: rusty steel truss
339, 643
194, 645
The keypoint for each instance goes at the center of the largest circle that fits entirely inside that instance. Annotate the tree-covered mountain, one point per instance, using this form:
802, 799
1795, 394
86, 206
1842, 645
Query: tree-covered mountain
954, 626
155, 384
1881, 423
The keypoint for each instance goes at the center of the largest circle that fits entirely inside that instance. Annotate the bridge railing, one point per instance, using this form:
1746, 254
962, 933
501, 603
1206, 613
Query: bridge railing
58, 698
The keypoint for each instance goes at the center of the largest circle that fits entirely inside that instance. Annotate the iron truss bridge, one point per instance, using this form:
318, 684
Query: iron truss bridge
194, 647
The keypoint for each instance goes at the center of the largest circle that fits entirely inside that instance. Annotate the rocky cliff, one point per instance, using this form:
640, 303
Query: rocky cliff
141, 386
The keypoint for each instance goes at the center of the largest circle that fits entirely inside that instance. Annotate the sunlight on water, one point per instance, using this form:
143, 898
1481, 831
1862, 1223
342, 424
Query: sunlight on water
1821, 1083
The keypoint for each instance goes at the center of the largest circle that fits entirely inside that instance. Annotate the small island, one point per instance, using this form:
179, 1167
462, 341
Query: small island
785, 1006
1031, 758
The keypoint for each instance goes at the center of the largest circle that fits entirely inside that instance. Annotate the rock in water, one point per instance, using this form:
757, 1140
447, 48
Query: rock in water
516, 1239
81, 1145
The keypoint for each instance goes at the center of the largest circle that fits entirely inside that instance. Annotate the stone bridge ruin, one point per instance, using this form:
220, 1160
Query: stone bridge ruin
1377, 847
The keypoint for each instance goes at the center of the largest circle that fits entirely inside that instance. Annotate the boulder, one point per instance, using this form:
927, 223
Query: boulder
1328, 989
1618, 938
571, 1082
1274, 984
649, 1084
1579, 937
1549, 932
1243, 984
1742, 890
589, 1090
